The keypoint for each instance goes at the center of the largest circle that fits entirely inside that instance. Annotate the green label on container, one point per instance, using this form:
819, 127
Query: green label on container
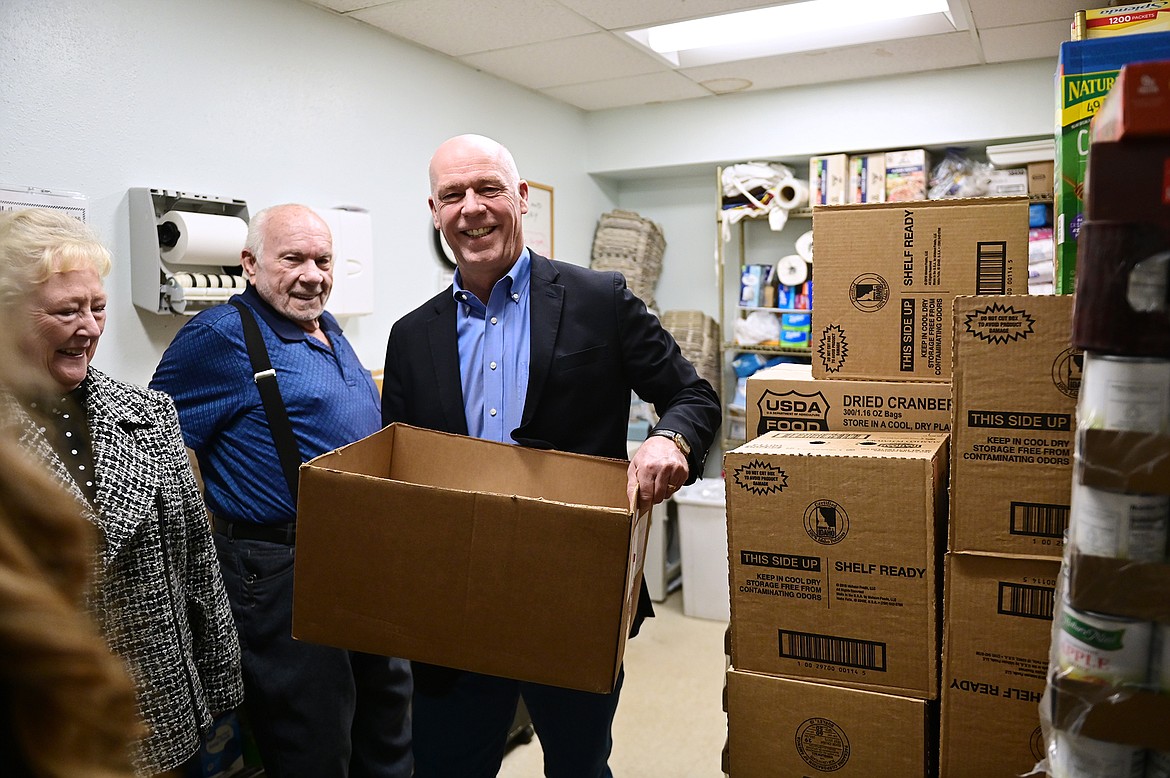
1081, 95
1092, 635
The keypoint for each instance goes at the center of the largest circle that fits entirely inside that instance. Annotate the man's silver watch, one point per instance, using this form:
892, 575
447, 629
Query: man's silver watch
678, 439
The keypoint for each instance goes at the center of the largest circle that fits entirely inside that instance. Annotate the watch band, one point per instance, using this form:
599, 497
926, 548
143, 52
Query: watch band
679, 440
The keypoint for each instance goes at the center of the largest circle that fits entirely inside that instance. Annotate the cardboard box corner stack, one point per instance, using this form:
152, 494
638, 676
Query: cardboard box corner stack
430, 560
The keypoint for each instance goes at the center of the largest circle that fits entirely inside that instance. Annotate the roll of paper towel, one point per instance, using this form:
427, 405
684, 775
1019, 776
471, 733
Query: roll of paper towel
791, 193
792, 270
204, 238
804, 246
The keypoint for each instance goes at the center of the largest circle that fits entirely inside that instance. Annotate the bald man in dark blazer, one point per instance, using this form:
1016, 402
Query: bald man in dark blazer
527, 350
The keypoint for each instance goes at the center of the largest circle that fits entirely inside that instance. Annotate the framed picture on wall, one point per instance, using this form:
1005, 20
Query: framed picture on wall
538, 222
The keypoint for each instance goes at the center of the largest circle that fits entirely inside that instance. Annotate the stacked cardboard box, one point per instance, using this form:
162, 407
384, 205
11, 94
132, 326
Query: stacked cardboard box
1015, 385
834, 579
841, 715
789, 727
1016, 379
887, 275
786, 398
810, 694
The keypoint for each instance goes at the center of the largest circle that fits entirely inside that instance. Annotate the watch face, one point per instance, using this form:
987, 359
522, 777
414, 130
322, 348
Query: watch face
443, 249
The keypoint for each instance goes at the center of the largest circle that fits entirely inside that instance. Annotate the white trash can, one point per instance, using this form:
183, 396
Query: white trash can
702, 521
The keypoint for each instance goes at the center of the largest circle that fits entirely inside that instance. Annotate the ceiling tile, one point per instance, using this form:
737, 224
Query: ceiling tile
457, 27
1004, 44
567, 61
619, 14
1006, 13
560, 46
856, 62
635, 90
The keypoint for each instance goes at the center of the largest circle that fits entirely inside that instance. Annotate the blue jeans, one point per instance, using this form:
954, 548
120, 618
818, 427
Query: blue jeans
315, 711
461, 723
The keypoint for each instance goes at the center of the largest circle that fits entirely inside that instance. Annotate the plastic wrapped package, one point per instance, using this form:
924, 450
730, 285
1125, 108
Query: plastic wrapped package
958, 176
1108, 695
757, 327
757, 189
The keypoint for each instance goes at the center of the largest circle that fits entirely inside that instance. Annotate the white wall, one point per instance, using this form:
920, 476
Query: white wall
274, 100
268, 101
961, 106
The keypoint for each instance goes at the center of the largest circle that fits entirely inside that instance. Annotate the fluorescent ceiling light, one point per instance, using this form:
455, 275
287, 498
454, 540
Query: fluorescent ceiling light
798, 26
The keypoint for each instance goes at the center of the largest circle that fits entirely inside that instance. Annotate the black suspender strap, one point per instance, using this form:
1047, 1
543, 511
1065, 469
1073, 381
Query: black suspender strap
265, 378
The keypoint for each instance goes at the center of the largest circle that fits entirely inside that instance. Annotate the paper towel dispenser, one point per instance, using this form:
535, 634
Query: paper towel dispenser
184, 250
353, 260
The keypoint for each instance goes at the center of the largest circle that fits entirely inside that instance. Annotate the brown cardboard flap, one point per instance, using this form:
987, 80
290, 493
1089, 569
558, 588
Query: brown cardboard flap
1123, 587
1125, 461
414, 455
1111, 713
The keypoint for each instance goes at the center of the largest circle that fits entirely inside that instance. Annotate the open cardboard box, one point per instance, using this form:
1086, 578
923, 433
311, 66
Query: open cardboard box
470, 554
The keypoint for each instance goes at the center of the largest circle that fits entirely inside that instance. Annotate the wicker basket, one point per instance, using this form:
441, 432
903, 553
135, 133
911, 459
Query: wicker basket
633, 246
698, 339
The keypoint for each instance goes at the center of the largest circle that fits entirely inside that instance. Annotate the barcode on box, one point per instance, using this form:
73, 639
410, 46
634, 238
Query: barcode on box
991, 267
833, 650
1037, 519
1032, 602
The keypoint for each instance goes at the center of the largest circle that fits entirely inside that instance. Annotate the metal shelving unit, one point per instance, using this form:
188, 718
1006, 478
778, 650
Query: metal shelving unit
799, 220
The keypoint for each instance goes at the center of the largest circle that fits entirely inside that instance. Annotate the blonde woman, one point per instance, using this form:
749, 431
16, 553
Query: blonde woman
158, 599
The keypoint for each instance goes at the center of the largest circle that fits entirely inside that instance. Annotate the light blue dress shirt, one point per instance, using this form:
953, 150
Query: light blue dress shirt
494, 353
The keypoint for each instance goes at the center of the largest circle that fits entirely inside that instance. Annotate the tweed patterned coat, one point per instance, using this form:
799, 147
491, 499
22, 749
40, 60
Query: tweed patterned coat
158, 596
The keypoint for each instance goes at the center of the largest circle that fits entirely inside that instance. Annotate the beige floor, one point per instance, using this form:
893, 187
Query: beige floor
670, 721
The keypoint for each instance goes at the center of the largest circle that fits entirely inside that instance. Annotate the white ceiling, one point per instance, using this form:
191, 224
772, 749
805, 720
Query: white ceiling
575, 50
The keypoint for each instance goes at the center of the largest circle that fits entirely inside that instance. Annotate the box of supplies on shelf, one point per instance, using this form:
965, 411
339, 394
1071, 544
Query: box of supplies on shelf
471, 554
